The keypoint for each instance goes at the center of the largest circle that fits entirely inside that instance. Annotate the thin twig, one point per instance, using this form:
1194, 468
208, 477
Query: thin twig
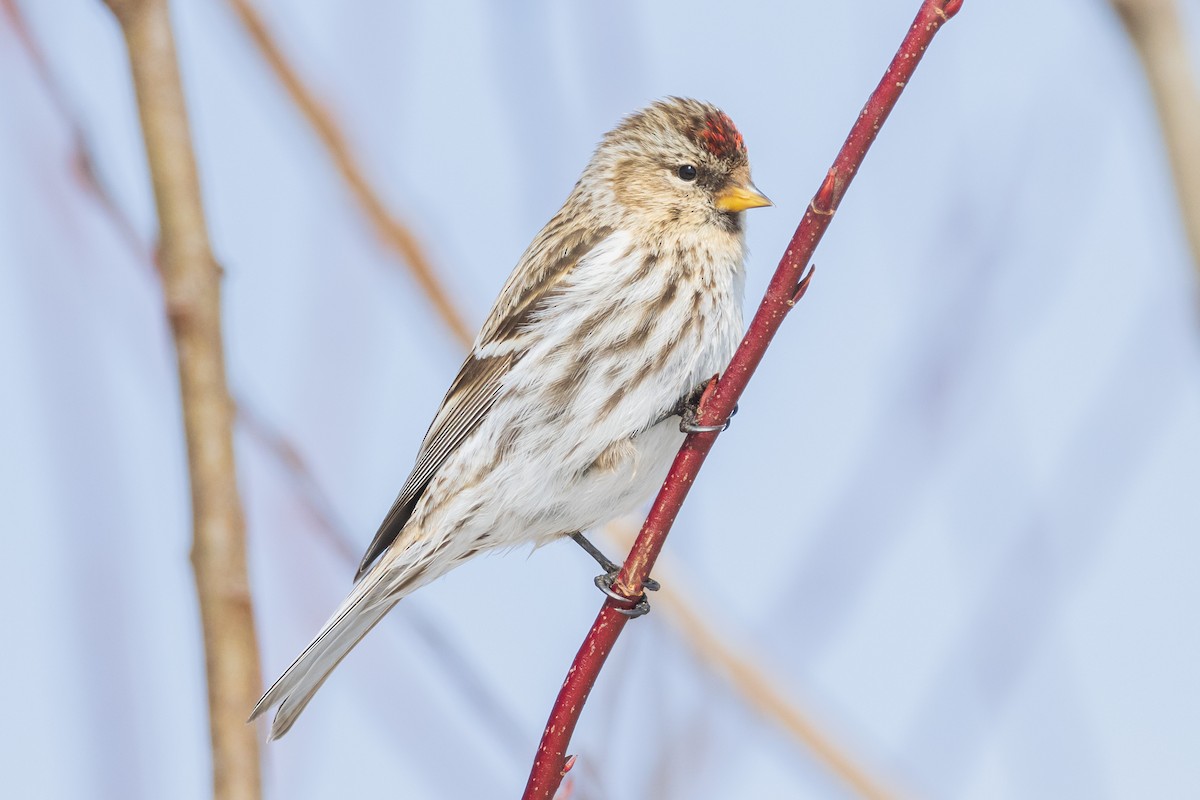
787, 286
85, 166
191, 285
391, 230
1157, 31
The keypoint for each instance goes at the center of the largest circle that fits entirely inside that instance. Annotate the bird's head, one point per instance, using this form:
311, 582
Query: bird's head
676, 165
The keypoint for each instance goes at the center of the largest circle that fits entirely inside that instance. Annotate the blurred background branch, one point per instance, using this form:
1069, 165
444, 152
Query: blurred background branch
191, 288
391, 230
1158, 33
272, 441
749, 679
85, 165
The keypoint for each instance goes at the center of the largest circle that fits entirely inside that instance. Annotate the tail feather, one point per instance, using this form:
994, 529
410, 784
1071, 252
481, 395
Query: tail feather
353, 620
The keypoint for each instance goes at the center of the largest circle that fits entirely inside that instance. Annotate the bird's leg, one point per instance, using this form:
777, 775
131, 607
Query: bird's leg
689, 405
611, 570
606, 563
609, 566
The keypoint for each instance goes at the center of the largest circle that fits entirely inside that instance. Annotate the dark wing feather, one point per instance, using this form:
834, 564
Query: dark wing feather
551, 256
464, 407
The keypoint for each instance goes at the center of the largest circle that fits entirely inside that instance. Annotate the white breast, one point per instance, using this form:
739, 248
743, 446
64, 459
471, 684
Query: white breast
578, 435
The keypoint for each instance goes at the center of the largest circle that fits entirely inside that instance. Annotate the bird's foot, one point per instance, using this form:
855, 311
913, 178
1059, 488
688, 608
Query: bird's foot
689, 407
633, 607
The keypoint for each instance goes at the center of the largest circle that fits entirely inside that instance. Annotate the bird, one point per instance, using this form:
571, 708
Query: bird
563, 415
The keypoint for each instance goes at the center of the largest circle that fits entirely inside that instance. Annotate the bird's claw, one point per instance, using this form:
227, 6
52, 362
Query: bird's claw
633, 606
687, 420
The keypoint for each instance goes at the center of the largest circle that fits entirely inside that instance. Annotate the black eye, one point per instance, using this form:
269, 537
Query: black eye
687, 173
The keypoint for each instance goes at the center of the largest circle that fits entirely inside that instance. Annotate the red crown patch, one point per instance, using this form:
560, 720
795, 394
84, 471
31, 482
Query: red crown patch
719, 136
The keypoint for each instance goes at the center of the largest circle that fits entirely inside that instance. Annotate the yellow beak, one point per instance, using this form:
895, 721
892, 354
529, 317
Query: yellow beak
739, 198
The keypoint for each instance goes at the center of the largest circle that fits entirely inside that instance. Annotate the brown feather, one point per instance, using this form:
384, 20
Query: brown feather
480, 380
554, 253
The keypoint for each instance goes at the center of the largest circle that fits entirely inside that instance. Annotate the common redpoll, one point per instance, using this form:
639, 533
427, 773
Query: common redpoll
561, 418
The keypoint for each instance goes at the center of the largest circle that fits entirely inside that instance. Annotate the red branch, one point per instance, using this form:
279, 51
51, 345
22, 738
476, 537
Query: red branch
786, 288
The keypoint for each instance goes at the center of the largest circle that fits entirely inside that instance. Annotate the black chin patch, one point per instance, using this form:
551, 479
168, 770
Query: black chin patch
730, 221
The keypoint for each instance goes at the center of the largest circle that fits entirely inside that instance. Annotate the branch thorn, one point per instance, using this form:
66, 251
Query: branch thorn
802, 286
949, 9
824, 202
707, 394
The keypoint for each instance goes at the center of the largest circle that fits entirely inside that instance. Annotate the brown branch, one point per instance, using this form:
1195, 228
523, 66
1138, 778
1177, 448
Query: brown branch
191, 285
390, 229
787, 286
1157, 31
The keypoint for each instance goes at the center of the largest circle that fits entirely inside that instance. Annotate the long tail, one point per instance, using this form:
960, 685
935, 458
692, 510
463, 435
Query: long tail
353, 620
